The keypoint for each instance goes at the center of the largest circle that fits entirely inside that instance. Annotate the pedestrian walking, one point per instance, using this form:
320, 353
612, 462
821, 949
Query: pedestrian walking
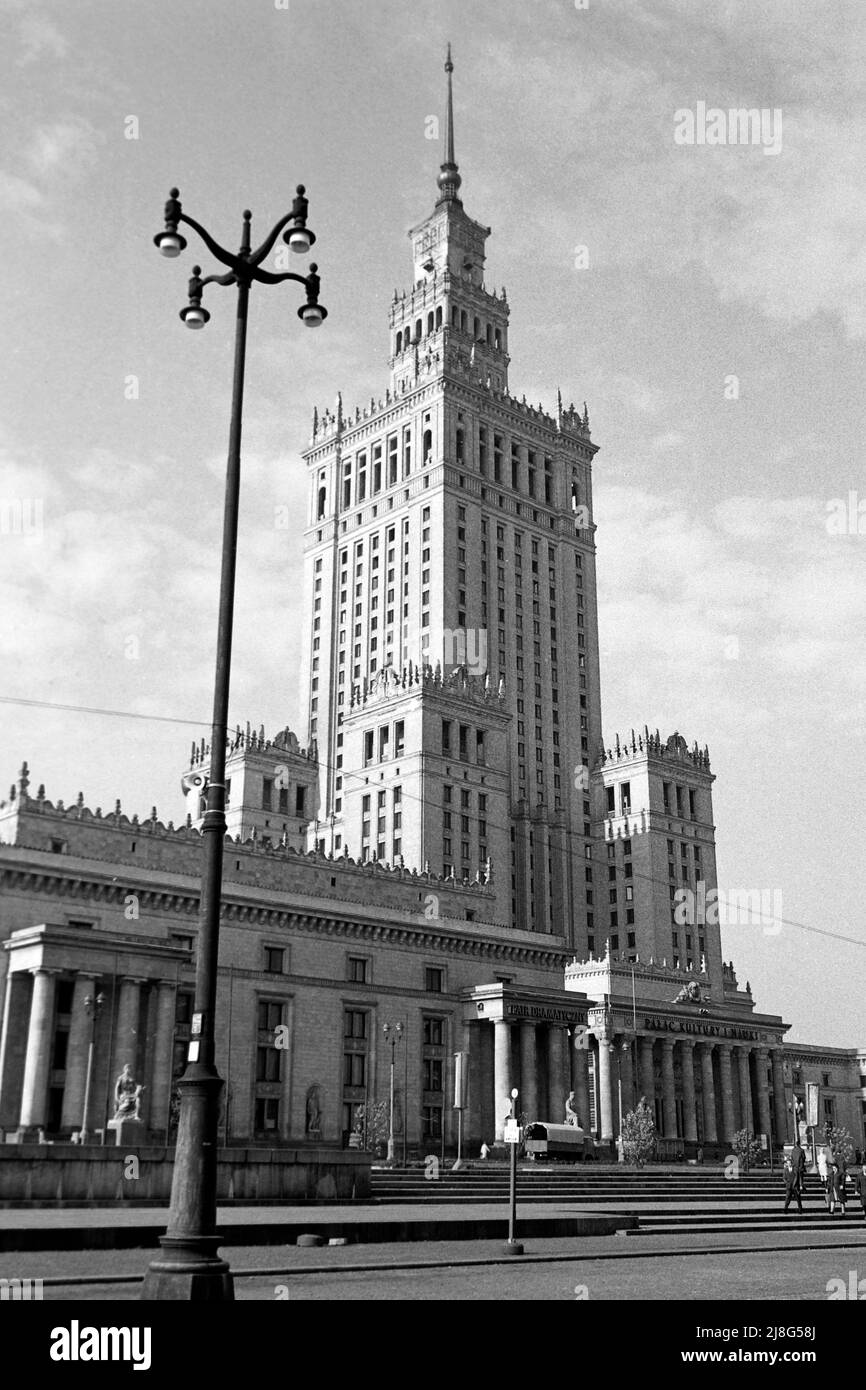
792, 1187
798, 1163
824, 1175
836, 1188
860, 1187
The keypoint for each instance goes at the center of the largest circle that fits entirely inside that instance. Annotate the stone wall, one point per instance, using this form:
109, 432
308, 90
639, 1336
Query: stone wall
42, 1175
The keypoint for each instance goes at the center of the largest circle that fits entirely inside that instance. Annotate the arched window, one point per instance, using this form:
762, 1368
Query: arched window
428, 445
497, 339
464, 321
439, 317
489, 336
455, 316
321, 511
430, 322
399, 342
417, 328
476, 328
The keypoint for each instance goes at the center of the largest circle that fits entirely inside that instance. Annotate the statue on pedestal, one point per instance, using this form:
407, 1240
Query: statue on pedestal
127, 1119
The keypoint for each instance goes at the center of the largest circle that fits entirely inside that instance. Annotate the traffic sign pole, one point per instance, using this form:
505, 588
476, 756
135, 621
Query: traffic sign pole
512, 1139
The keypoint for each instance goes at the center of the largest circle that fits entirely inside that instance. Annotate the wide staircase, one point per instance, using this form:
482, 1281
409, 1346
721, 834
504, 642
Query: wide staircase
665, 1199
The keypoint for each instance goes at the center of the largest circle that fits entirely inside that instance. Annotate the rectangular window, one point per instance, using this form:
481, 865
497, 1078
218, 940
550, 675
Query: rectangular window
358, 970
275, 959
434, 979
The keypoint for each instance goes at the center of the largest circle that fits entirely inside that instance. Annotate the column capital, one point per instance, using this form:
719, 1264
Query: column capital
687, 1042
35, 970
668, 1044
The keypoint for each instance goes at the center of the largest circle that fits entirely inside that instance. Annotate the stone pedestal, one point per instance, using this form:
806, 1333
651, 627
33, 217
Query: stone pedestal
128, 1132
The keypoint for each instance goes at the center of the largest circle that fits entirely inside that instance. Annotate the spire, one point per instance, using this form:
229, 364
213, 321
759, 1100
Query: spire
449, 180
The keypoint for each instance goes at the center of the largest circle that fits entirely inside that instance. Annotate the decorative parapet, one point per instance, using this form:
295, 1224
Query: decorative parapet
650, 969
285, 742
90, 834
390, 683
429, 364
674, 749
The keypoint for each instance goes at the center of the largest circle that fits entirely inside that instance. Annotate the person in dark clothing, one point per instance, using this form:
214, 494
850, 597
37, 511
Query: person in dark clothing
792, 1186
836, 1187
798, 1163
860, 1186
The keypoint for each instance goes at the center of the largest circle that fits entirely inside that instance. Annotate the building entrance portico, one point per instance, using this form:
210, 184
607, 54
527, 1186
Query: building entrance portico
705, 1068
523, 1037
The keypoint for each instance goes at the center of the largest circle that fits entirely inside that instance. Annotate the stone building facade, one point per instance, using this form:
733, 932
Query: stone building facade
451, 846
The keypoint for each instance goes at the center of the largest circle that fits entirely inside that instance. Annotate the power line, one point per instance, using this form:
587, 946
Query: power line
113, 713
359, 776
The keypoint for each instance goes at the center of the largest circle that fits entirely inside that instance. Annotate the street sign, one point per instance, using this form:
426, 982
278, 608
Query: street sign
512, 1132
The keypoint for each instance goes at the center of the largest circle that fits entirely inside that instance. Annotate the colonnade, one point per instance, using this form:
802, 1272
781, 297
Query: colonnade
117, 1041
701, 1091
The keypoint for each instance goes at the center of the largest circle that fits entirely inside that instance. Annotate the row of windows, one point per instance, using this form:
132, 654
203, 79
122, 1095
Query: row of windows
680, 793
481, 330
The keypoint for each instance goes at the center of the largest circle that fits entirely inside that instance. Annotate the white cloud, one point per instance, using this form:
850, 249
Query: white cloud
67, 147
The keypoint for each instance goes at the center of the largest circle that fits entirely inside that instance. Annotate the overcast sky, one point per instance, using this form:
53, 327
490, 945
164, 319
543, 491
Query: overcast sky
728, 609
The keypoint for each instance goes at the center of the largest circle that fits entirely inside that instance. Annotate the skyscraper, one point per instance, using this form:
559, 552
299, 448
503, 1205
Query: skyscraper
451, 645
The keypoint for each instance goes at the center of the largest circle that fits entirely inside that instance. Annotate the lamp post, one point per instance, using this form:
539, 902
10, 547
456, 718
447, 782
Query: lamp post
612, 1048
189, 1267
93, 1008
392, 1034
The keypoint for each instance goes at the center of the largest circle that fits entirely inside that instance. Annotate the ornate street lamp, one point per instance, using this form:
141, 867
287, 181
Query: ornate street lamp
93, 1008
189, 1267
393, 1033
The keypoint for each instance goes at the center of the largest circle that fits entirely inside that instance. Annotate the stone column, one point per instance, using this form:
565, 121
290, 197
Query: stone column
690, 1118
625, 1062
784, 1125
729, 1126
647, 1085
763, 1093
126, 1028
556, 1039
13, 1046
34, 1095
580, 1082
502, 1079
710, 1132
473, 1133
77, 1049
747, 1118
528, 1100
605, 1095
669, 1098
161, 1055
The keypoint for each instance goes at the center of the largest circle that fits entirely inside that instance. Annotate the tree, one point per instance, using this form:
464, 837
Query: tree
375, 1118
840, 1142
744, 1144
638, 1135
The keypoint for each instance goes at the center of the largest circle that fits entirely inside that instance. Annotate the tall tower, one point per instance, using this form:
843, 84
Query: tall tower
451, 642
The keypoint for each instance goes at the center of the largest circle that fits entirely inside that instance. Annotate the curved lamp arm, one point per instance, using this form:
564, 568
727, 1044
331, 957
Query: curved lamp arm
214, 247
256, 257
